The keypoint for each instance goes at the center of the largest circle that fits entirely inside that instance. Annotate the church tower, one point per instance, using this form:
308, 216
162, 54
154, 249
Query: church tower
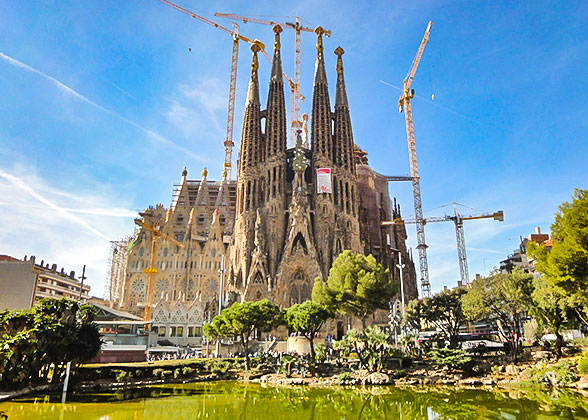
249, 187
274, 166
344, 174
322, 162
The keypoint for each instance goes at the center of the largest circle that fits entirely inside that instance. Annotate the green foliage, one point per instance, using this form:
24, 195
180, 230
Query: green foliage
566, 264
123, 376
158, 373
452, 358
40, 341
220, 366
187, 371
443, 310
549, 305
177, 373
583, 363
373, 347
413, 317
345, 378
533, 330
561, 373
241, 319
307, 318
408, 343
500, 296
321, 353
287, 362
357, 286
580, 342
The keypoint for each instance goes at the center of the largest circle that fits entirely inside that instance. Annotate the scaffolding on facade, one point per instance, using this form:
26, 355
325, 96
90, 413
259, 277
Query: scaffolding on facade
117, 259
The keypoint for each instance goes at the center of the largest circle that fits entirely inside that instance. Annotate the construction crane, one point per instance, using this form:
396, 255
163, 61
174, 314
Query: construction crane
458, 220
152, 270
295, 95
404, 105
228, 143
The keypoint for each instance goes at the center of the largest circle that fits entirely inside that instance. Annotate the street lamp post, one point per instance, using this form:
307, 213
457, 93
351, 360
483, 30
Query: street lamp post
220, 297
401, 267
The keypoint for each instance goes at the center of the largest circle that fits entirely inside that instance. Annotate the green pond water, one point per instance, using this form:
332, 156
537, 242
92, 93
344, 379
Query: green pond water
231, 400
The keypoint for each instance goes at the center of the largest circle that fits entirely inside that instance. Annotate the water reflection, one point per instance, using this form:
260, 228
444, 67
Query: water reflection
229, 400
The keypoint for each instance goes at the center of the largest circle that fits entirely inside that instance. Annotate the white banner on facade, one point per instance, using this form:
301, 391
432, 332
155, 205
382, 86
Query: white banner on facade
323, 181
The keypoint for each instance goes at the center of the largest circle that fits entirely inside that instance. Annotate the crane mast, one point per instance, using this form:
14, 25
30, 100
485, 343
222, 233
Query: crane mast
405, 105
295, 94
457, 219
152, 270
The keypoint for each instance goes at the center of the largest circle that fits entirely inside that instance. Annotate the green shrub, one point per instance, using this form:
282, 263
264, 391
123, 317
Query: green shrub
166, 373
345, 378
177, 373
452, 358
122, 376
583, 363
580, 342
321, 353
139, 373
495, 369
219, 366
561, 373
186, 371
158, 373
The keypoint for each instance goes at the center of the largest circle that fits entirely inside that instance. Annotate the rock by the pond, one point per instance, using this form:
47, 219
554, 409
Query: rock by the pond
377, 378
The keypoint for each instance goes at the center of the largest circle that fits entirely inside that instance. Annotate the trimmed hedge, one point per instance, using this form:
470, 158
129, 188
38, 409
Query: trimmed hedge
181, 368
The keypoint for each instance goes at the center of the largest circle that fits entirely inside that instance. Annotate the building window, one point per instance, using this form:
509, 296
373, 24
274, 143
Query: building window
161, 331
141, 252
176, 332
194, 331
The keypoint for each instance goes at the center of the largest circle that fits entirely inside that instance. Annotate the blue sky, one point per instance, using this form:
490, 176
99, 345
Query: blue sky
102, 104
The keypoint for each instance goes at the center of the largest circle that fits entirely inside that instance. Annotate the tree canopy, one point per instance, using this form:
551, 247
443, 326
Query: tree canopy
373, 347
565, 262
357, 285
307, 318
503, 297
41, 340
548, 305
241, 319
443, 310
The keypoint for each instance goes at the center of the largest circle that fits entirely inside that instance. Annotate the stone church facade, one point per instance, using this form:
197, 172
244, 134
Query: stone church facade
282, 223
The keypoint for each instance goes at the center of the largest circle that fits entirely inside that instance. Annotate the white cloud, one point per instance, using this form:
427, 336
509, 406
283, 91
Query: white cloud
67, 228
68, 90
195, 107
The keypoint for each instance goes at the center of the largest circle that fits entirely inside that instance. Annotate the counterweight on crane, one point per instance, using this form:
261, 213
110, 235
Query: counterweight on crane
228, 143
404, 105
295, 93
457, 219
152, 270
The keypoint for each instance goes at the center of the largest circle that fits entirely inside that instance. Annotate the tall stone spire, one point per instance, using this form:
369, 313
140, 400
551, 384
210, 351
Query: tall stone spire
250, 153
273, 172
343, 142
321, 136
276, 131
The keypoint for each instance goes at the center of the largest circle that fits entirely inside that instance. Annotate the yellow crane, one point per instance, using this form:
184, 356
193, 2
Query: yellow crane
295, 94
228, 143
154, 228
404, 105
458, 220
